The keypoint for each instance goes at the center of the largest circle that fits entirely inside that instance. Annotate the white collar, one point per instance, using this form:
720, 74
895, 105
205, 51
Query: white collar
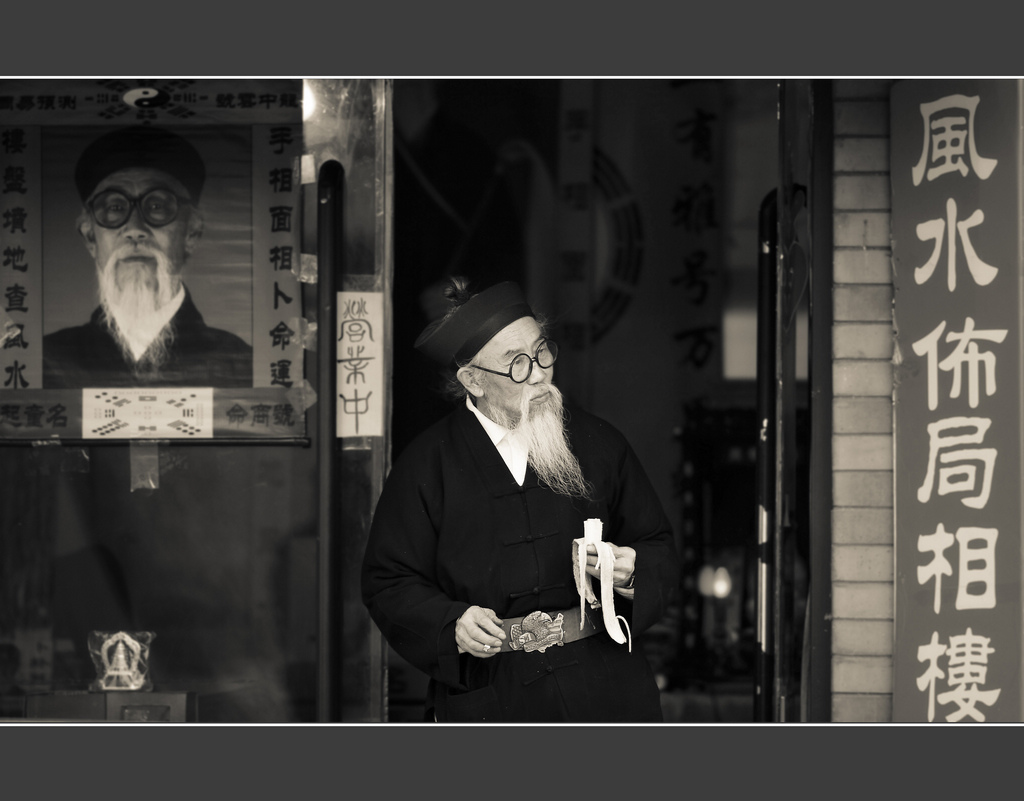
513, 454
495, 431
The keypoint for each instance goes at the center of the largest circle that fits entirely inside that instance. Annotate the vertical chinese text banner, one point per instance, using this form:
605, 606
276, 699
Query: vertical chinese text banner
21, 331
360, 355
956, 230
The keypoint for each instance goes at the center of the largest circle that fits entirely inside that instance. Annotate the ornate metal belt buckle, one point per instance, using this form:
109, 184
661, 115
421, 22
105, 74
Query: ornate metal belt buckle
537, 632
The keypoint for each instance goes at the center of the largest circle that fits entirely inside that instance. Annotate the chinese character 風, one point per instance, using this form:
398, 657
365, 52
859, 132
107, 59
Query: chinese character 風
951, 137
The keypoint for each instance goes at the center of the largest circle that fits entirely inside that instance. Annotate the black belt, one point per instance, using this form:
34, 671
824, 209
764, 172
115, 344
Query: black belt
540, 630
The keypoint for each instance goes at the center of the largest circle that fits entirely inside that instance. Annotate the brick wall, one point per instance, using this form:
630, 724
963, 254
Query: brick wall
862, 458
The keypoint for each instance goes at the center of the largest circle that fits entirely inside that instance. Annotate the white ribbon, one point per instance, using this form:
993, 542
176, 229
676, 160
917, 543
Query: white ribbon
606, 564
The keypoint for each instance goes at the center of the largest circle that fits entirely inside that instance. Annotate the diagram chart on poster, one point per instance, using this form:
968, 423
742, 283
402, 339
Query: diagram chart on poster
134, 413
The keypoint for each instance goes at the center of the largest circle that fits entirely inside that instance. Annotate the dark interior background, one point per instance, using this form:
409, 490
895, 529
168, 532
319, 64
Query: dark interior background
220, 560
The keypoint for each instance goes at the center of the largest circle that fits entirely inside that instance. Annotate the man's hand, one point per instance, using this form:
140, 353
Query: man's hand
625, 561
478, 632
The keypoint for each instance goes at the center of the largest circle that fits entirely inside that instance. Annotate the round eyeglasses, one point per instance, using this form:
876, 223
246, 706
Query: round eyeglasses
112, 208
522, 365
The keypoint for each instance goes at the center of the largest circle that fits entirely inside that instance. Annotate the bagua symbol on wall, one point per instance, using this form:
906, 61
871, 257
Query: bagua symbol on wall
148, 101
617, 278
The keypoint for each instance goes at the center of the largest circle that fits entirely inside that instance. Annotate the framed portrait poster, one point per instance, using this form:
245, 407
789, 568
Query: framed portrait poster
150, 238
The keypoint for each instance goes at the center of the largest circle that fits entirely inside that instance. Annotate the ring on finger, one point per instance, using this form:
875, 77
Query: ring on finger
487, 648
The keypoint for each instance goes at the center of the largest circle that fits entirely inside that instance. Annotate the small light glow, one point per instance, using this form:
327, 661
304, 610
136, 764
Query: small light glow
722, 583
308, 101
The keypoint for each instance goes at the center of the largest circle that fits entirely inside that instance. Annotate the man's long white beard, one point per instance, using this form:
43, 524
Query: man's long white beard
130, 296
541, 430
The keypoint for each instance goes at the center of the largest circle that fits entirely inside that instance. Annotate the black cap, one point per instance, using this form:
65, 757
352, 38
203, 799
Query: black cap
140, 146
459, 337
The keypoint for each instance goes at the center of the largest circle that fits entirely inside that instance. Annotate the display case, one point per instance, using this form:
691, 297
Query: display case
200, 478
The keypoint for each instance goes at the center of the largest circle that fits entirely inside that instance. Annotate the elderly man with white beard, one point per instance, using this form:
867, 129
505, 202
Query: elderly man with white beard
140, 223
472, 569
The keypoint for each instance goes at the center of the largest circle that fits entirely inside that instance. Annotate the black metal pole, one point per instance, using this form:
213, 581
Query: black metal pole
818, 677
766, 452
330, 185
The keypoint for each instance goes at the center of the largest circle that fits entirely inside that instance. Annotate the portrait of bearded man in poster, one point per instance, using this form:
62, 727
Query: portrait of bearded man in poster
141, 221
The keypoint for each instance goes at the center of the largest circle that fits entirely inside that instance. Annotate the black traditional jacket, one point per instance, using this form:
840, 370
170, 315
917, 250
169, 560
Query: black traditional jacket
453, 529
200, 356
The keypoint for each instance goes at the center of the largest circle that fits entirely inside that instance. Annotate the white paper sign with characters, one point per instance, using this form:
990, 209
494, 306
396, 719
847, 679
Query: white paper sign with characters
360, 354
